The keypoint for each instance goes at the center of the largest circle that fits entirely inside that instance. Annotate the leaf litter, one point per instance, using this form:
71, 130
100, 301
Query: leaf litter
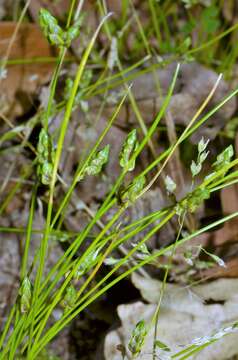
187, 313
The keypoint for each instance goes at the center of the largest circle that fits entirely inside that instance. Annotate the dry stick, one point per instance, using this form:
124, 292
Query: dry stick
78, 10
204, 104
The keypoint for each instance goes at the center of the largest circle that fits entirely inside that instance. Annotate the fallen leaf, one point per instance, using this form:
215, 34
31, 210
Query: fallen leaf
185, 314
24, 78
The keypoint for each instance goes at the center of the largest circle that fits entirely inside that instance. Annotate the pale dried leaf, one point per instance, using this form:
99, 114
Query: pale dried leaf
23, 78
184, 316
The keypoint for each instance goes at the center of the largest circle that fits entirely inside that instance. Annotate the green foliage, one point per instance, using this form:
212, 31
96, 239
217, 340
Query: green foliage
137, 338
46, 355
87, 263
202, 145
11, 134
142, 251
224, 158
192, 259
30, 334
136, 188
98, 161
184, 46
70, 297
210, 19
45, 157
162, 346
54, 33
202, 155
68, 89
215, 258
25, 296
195, 198
50, 27
129, 147
79, 98
110, 261
195, 168
46, 172
130, 194
73, 32
192, 201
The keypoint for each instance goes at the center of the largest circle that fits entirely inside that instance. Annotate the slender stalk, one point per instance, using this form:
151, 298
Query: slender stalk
28, 235
81, 169
155, 318
63, 130
174, 147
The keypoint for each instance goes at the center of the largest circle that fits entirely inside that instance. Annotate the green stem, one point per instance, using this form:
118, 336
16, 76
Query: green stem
155, 318
28, 235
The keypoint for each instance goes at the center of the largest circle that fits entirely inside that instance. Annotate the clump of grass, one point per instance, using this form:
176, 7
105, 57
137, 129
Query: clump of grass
30, 326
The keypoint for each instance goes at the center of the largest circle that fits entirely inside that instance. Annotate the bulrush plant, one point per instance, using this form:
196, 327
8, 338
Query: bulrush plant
30, 325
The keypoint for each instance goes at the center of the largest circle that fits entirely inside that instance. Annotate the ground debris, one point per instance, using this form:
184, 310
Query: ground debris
186, 314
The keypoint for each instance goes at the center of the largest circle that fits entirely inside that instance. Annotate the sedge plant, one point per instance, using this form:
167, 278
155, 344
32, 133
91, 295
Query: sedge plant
30, 326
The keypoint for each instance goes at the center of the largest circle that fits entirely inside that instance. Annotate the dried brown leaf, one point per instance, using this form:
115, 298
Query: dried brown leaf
21, 79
